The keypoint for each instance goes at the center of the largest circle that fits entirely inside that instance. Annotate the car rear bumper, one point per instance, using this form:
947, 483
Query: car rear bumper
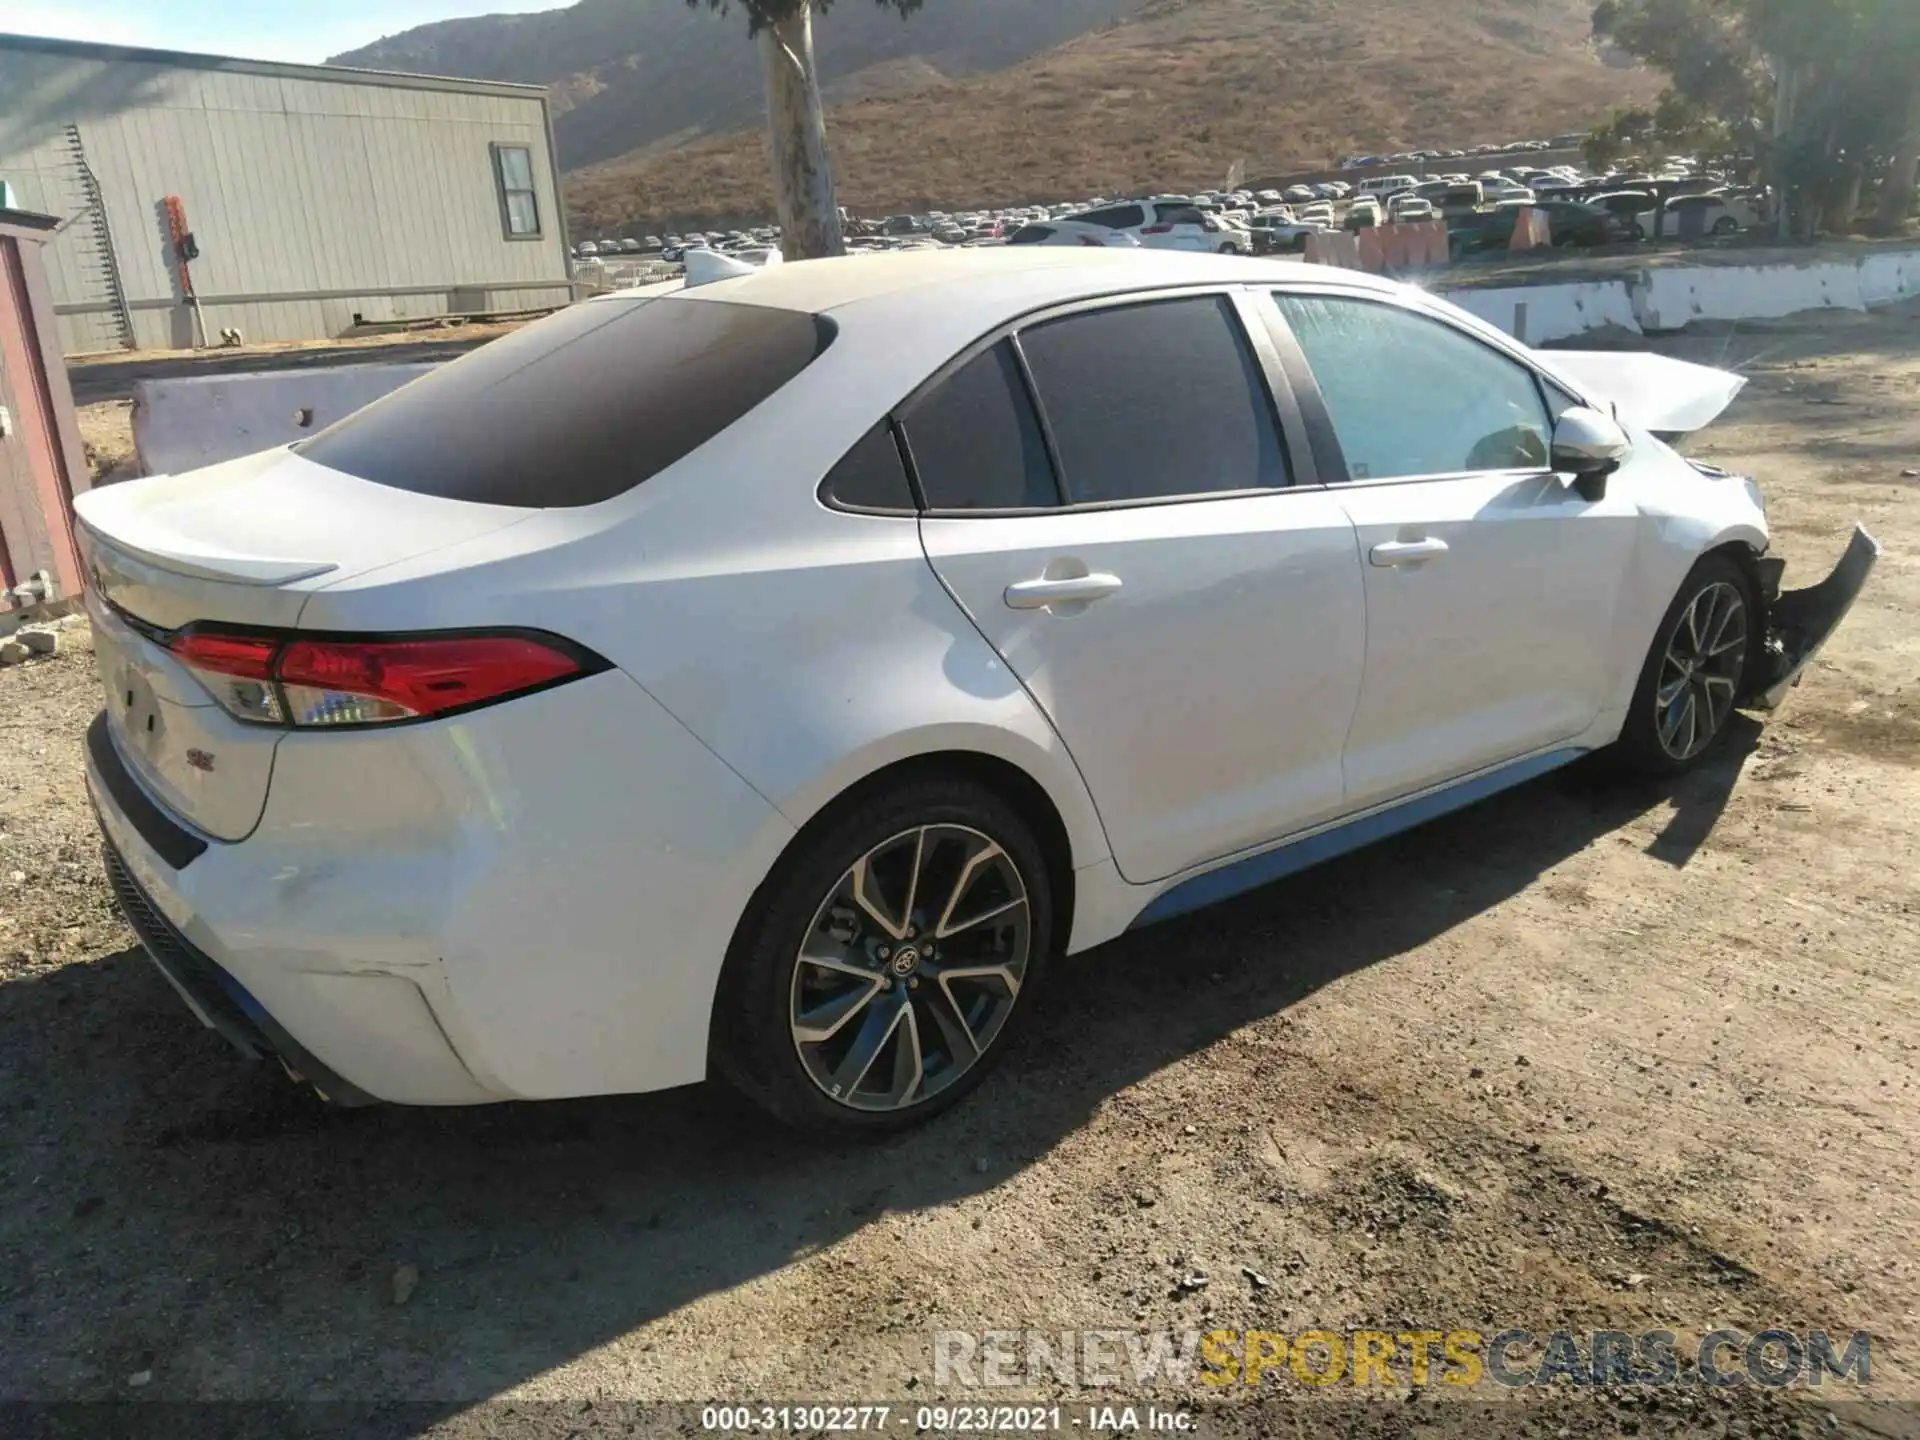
220, 1002
530, 901
354, 1035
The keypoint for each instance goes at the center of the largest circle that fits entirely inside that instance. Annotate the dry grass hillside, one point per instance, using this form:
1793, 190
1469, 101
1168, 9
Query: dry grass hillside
626, 74
1170, 97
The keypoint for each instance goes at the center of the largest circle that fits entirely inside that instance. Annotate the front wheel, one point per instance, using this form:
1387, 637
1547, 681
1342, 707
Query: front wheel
1695, 671
881, 969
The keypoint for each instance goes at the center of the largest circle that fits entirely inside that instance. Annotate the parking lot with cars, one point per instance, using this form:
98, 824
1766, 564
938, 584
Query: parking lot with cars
1475, 191
1645, 1055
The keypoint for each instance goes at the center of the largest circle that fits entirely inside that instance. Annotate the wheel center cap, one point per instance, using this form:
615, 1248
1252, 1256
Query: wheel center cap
905, 960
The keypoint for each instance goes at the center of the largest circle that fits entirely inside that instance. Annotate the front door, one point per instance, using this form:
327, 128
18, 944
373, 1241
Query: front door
1491, 584
1192, 625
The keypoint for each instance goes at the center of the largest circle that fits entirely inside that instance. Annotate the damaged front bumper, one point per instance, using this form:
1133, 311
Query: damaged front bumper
1799, 622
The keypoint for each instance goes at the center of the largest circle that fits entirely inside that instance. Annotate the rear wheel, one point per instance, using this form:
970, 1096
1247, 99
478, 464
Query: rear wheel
1695, 671
881, 969
1725, 225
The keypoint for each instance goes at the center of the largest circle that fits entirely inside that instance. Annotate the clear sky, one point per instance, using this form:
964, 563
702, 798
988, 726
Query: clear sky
298, 30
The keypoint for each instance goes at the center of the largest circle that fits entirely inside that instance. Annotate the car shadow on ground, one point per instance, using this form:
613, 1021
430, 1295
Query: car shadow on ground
175, 1211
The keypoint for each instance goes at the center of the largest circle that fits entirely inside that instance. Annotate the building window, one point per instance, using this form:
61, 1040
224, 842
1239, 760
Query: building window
519, 206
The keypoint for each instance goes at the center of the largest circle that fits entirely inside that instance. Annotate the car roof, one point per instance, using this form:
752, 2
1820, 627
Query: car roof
987, 279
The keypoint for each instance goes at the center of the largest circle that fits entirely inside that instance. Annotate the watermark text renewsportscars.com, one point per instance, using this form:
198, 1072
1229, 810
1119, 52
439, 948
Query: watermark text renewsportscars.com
1456, 1359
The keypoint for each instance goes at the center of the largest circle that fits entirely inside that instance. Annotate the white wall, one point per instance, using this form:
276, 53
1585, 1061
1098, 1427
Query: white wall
312, 198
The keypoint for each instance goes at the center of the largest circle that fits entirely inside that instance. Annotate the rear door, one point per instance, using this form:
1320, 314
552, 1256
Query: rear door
1492, 586
1190, 621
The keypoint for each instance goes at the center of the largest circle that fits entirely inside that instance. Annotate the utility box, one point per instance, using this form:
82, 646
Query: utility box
42, 464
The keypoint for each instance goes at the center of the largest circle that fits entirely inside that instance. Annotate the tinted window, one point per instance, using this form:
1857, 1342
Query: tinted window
975, 442
576, 408
1178, 214
871, 476
1116, 217
1155, 400
1031, 234
1412, 396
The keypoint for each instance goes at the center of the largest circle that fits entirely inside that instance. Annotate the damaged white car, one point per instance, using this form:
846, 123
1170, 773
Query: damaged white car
773, 678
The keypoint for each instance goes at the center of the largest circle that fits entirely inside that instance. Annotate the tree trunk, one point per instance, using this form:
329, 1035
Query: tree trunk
1896, 191
1844, 200
796, 123
1784, 94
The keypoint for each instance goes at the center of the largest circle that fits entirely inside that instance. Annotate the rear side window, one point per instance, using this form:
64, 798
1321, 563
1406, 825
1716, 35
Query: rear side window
1116, 217
975, 442
1031, 235
1154, 401
870, 476
579, 407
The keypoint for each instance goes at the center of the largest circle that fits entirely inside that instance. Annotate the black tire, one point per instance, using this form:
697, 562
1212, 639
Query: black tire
1642, 746
753, 1042
1725, 225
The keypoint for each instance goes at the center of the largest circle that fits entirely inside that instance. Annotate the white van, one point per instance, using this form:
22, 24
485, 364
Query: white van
1381, 186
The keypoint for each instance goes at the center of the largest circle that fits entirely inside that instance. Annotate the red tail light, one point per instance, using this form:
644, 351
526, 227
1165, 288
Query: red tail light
319, 681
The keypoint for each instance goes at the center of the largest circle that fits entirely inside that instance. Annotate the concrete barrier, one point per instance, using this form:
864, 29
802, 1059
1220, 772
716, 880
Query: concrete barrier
1539, 314
1890, 277
1671, 297
1532, 230
182, 424
1334, 247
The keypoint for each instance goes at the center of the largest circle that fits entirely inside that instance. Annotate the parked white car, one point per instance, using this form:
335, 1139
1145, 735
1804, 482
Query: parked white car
1170, 223
1718, 213
1410, 208
1072, 232
780, 675
1382, 186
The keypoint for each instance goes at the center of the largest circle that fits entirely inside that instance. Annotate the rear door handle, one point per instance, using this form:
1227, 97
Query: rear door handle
1396, 553
1073, 590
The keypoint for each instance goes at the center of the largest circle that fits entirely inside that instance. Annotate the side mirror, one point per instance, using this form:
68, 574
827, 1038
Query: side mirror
1589, 446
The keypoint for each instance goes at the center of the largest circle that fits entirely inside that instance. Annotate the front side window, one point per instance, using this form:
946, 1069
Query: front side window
519, 205
1411, 395
1154, 401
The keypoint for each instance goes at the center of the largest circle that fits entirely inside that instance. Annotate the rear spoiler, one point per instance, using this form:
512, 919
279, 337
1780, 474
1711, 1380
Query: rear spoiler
1652, 392
114, 514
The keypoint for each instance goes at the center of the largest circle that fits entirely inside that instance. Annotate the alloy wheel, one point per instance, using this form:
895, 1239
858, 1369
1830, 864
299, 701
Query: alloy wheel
910, 968
1700, 672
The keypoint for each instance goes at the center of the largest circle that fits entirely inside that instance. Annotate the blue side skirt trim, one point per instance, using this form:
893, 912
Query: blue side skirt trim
1270, 865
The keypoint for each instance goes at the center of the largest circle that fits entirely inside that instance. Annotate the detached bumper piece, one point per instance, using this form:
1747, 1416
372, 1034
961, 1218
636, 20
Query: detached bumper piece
1801, 621
221, 1002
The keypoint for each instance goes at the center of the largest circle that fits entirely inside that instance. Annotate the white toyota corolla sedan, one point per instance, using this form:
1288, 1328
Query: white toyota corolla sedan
773, 677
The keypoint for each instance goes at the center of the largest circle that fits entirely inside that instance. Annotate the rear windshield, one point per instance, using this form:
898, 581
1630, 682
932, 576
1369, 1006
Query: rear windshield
576, 408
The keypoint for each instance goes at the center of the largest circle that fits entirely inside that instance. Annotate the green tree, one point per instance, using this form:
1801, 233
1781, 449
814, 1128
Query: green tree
1827, 92
796, 120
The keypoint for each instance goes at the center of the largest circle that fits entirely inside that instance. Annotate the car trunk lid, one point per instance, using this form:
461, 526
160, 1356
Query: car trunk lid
241, 543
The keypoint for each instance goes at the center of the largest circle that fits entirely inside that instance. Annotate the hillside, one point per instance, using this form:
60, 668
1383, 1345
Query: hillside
1007, 100
633, 74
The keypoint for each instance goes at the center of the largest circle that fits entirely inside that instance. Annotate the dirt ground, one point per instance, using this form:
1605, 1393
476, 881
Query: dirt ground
1583, 1056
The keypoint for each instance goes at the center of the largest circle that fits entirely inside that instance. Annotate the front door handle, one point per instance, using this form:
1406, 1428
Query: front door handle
1070, 590
1396, 553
